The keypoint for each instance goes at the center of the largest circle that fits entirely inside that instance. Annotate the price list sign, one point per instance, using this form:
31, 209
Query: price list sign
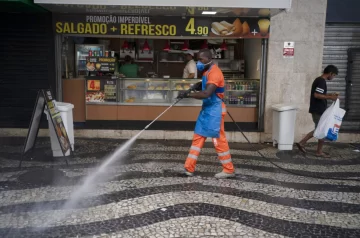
93, 85
237, 27
104, 90
110, 90
101, 64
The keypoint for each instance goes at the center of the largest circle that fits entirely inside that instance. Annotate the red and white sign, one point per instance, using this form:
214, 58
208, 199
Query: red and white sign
288, 51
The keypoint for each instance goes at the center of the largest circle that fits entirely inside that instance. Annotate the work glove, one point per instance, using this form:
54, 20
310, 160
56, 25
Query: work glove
197, 86
184, 94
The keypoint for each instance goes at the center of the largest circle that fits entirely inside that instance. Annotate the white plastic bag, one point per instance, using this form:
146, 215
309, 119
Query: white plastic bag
330, 122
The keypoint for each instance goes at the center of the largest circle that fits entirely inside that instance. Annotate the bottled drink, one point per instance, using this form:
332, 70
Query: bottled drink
90, 52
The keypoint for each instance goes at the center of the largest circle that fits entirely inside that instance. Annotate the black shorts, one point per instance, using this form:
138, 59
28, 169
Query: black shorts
316, 118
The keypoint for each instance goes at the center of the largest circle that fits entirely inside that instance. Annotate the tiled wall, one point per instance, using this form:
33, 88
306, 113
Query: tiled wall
289, 80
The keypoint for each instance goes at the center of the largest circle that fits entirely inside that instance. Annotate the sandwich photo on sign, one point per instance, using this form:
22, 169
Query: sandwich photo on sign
219, 29
237, 28
228, 26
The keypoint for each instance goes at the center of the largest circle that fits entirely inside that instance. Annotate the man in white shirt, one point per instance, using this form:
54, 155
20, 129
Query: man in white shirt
190, 70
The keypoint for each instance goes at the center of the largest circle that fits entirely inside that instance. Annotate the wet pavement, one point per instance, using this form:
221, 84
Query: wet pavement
144, 196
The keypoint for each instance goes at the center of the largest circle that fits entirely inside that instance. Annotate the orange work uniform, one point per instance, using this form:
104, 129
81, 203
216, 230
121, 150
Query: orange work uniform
213, 107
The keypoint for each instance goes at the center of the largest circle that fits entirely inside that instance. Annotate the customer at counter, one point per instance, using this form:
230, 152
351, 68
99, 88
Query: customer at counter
129, 69
190, 70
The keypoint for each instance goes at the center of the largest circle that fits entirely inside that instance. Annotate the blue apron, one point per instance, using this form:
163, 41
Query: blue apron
209, 120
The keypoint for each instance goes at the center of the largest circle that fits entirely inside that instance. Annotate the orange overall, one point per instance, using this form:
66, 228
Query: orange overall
212, 76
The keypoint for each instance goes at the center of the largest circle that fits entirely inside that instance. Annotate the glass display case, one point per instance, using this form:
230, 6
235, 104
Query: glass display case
178, 85
242, 92
154, 91
162, 91
143, 91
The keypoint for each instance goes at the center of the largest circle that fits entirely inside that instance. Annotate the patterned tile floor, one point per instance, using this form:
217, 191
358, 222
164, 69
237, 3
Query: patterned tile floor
142, 194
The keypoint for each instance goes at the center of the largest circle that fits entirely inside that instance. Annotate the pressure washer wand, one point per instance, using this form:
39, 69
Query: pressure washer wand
177, 100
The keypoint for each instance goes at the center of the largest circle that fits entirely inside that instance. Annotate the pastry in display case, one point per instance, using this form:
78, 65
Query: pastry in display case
145, 91
182, 85
155, 90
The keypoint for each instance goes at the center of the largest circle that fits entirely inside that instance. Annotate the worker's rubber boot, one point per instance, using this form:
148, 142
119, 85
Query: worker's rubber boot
187, 173
223, 175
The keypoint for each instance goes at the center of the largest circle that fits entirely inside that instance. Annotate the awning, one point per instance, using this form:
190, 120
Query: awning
281, 4
160, 18
238, 8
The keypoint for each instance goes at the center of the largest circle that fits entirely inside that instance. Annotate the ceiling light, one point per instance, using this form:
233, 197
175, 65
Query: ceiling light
223, 46
125, 45
185, 46
167, 46
204, 45
146, 46
208, 13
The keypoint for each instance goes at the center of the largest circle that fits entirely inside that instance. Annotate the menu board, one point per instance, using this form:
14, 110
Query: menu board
110, 90
100, 64
57, 122
167, 26
101, 90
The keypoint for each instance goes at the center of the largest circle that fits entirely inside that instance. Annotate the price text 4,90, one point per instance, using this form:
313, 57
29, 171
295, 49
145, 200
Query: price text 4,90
200, 30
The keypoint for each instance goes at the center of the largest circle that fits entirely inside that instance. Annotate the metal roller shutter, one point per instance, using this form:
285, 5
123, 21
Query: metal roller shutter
353, 90
339, 39
27, 65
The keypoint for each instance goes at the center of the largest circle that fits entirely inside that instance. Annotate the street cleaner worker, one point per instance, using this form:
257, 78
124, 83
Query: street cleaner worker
210, 122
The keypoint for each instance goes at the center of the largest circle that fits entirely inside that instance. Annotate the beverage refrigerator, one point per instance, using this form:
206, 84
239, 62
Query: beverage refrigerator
83, 51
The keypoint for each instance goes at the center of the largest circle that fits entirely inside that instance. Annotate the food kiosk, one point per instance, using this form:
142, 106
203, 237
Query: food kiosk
94, 46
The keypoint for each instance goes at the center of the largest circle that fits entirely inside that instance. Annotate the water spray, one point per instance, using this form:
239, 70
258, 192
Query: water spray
87, 185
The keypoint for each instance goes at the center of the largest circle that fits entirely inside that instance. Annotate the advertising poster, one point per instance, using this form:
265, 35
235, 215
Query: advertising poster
237, 27
57, 122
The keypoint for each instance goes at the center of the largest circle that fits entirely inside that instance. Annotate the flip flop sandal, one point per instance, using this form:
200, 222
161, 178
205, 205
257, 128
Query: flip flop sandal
301, 148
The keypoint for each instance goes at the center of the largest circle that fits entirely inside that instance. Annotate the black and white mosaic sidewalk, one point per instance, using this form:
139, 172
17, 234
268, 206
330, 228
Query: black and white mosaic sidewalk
145, 197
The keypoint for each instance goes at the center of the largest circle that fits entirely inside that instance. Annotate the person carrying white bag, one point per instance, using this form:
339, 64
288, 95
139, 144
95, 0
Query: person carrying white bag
318, 106
330, 122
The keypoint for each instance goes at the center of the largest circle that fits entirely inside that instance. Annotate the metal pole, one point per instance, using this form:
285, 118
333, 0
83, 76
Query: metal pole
263, 69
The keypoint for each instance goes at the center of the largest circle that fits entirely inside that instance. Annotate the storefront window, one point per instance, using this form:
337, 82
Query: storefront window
129, 78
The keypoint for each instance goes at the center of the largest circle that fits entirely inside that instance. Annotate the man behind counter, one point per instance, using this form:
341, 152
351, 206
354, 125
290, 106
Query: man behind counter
190, 70
128, 69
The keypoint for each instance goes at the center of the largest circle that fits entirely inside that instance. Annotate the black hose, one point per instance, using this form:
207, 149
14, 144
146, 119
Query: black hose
286, 170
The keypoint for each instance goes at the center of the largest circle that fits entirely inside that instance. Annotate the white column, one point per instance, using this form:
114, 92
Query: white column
289, 80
